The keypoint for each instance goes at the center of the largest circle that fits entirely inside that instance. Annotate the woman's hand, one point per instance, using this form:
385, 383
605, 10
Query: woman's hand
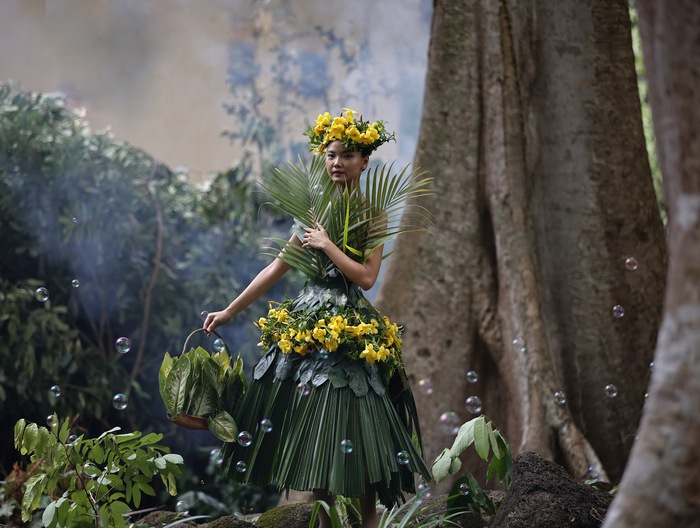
216, 319
316, 238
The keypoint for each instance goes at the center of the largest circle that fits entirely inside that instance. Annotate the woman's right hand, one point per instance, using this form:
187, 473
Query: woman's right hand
216, 319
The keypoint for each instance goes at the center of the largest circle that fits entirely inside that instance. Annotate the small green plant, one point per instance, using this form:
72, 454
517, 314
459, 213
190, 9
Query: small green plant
486, 439
204, 386
90, 482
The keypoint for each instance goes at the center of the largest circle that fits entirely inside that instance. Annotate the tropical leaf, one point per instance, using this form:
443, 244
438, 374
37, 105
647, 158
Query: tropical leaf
357, 223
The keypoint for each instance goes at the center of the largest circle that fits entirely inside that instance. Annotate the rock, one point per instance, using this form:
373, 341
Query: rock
542, 494
288, 516
230, 521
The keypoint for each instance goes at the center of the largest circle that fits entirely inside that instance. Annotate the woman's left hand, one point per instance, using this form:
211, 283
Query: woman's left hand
316, 238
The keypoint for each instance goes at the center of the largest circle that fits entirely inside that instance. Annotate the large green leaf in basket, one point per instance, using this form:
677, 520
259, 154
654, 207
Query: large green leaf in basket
223, 427
163, 374
176, 386
203, 396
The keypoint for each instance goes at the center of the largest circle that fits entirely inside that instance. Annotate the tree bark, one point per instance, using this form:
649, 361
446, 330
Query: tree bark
660, 486
531, 128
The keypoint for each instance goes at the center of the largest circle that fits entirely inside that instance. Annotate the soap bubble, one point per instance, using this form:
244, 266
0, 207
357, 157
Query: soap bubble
75, 220
423, 491
49, 421
241, 466
304, 389
464, 489
403, 458
474, 404
610, 390
266, 425
449, 422
631, 263
56, 391
216, 456
41, 294
120, 401
73, 440
651, 365
91, 470
618, 311
203, 314
123, 345
346, 446
219, 344
182, 507
519, 344
425, 386
323, 353
591, 473
472, 376
75, 283
560, 397
245, 438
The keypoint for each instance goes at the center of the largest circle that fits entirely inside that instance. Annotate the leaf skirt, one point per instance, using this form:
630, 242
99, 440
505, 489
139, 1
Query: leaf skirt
307, 436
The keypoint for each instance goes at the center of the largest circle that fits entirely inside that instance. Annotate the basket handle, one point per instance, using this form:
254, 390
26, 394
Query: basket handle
184, 347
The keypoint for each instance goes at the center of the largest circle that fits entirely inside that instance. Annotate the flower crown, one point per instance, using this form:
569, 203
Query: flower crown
354, 133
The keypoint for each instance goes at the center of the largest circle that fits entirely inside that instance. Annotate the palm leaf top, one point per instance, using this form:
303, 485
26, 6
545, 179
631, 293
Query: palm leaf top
357, 222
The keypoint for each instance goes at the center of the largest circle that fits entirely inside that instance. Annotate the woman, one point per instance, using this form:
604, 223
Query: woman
329, 408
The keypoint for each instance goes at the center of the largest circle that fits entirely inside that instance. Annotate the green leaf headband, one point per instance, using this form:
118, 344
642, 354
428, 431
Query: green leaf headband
355, 133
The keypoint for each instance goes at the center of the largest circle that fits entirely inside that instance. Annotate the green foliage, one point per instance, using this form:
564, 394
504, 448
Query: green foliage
150, 251
203, 385
91, 482
486, 439
305, 193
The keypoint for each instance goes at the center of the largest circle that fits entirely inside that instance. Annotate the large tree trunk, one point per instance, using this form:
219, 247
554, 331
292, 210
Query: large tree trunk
531, 128
661, 485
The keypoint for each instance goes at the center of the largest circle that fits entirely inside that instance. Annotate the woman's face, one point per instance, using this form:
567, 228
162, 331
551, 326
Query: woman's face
344, 166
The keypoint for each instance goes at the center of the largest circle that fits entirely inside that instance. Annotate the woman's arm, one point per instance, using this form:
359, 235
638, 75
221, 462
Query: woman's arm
364, 275
262, 282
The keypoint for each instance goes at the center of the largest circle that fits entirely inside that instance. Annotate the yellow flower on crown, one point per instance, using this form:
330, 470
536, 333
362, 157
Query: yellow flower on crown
369, 354
350, 128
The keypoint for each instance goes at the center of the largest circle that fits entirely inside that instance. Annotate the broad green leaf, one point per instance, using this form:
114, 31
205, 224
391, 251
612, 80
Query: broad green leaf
20, 426
31, 433
176, 386
48, 518
481, 438
223, 426
163, 374
173, 458
455, 465
441, 466
465, 437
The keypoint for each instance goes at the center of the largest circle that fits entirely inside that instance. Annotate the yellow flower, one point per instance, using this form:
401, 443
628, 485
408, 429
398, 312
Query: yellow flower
331, 344
350, 115
369, 354
301, 349
282, 315
303, 335
323, 119
319, 334
353, 133
352, 330
382, 353
285, 345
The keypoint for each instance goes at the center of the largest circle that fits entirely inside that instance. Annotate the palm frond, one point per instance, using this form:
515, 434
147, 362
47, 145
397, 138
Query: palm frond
356, 223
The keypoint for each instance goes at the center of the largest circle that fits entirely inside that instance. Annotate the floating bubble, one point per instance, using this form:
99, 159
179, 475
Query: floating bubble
41, 294
560, 397
346, 446
651, 365
304, 389
646, 395
449, 422
464, 489
610, 390
472, 376
56, 391
203, 314
591, 473
216, 456
323, 353
91, 470
245, 438
618, 311
123, 345
519, 344
425, 386
266, 425
182, 507
120, 401
403, 458
219, 344
75, 283
423, 491
631, 263
75, 220
49, 421
73, 440
241, 466
474, 404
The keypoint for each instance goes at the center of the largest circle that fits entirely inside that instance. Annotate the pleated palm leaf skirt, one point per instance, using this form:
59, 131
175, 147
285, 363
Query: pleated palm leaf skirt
315, 435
